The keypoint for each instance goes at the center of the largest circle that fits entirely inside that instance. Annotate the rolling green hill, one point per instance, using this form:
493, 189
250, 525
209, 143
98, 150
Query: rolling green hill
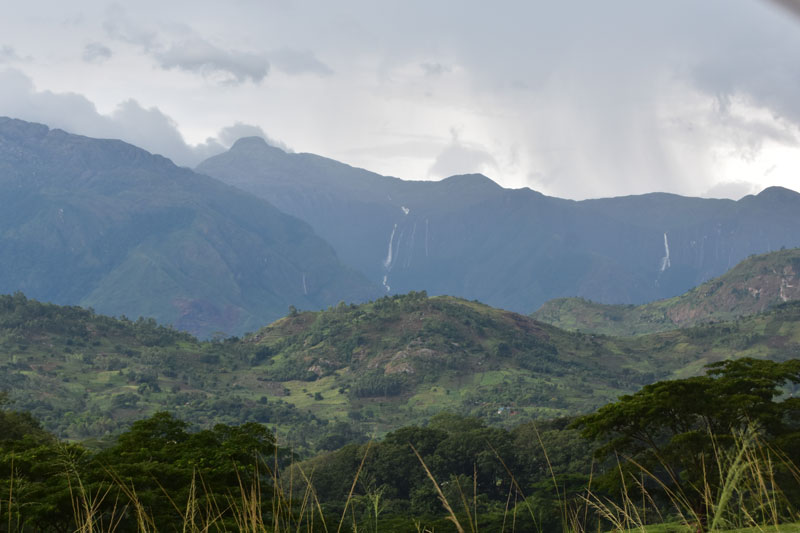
350, 369
754, 285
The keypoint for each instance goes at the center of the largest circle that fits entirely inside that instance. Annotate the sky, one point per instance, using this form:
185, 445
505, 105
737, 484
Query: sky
576, 99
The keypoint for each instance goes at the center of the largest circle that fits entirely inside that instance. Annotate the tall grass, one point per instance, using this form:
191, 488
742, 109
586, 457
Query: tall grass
275, 500
746, 495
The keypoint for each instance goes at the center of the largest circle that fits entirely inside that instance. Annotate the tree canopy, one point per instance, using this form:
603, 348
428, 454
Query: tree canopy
677, 429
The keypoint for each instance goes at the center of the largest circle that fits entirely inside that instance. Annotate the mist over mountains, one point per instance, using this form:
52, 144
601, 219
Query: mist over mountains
102, 223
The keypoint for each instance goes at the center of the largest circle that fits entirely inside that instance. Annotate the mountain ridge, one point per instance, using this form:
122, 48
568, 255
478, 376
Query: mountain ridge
103, 223
512, 248
754, 285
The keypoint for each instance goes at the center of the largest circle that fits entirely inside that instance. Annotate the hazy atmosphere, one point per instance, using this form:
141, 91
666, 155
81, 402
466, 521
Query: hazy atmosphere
574, 99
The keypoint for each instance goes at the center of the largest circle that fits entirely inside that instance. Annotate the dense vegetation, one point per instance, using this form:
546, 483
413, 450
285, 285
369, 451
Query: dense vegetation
754, 285
323, 377
87, 375
691, 451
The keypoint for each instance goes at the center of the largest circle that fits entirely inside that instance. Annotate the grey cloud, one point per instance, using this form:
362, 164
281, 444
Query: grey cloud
295, 62
120, 27
198, 55
151, 129
748, 136
791, 6
770, 82
190, 52
601, 98
434, 69
603, 80
71, 111
96, 53
148, 128
8, 54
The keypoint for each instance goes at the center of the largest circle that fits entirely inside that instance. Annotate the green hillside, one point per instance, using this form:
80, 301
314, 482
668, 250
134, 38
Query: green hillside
350, 370
87, 375
402, 359
757, 283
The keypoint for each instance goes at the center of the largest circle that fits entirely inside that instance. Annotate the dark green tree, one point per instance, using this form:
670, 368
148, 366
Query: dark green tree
159, 457
676, 429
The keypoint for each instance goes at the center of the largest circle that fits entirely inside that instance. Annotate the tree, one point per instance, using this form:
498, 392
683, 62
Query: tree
676, 429
159, 455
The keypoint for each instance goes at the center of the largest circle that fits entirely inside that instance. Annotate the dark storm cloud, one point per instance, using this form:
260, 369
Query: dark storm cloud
96, 53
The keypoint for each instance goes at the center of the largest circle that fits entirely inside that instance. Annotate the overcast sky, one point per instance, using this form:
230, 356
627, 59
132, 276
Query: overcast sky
576, 99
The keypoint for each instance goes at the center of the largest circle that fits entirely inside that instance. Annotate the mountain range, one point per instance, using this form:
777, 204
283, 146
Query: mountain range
231, 246
513, 249
104, 224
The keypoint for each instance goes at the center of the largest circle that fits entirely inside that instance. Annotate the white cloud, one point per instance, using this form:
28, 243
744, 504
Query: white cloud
732, 189
148, 128
462, 158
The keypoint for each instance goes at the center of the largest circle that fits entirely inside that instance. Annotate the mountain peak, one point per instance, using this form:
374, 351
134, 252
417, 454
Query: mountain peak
773, 197
252, 144
776, 192
473, 180
21, 128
